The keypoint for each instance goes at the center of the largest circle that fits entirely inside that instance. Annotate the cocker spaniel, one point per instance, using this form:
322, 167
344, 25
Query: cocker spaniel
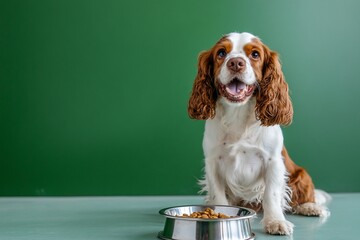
242, 94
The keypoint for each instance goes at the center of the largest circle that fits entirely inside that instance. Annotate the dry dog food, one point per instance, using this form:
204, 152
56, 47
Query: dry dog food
207, 213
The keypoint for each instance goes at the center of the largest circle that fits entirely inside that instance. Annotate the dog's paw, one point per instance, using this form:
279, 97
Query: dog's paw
311, 209
216, 200
278, 227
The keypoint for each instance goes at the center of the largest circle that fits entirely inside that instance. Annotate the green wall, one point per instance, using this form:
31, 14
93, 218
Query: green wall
93, 94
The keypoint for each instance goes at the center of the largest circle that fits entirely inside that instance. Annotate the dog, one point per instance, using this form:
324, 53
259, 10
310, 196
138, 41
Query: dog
241, 92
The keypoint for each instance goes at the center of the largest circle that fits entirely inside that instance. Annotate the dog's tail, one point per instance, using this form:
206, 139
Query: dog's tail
322, 197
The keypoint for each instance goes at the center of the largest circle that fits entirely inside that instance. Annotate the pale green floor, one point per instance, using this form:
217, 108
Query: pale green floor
137, 218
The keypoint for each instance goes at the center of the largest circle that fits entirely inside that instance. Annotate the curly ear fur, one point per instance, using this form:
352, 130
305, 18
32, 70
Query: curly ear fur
273, 104
203, 97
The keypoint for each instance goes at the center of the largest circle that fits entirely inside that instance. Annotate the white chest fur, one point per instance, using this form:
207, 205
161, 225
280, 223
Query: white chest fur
239, 150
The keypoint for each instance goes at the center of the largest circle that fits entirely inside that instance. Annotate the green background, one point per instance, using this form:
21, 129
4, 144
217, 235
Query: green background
93, 94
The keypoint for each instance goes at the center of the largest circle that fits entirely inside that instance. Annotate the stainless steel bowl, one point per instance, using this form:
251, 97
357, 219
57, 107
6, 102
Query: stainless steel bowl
234, 228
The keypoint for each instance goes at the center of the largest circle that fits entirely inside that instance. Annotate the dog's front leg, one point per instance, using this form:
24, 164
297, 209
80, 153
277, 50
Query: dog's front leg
274, 220
214, 185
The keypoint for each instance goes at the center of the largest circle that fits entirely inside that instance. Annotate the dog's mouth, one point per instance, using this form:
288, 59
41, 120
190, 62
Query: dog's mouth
236, 90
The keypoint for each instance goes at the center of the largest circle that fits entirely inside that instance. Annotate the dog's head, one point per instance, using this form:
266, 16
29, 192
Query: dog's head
238, 67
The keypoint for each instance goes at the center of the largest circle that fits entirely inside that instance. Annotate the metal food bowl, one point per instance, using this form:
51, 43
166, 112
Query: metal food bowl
237, 227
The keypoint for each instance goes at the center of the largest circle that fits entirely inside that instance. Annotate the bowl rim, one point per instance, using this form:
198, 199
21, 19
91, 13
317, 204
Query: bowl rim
251, 214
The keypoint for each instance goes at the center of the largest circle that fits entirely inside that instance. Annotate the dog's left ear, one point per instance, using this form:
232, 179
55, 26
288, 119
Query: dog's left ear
273, 104
203, 97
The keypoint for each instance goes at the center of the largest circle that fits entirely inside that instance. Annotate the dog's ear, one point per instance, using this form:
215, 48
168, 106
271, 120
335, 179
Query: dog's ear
203, 97
273, 104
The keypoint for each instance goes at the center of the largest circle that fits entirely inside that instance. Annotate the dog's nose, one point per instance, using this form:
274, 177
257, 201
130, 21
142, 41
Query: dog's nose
236, 64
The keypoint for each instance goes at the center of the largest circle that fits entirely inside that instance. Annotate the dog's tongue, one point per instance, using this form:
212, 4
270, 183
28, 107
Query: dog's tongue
235, 87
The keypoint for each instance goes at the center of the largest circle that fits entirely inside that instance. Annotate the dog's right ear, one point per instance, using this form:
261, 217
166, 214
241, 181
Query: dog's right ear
203, 97
273, 103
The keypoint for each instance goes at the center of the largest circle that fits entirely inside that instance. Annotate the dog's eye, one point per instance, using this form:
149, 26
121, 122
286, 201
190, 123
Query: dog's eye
255, 54
221, 53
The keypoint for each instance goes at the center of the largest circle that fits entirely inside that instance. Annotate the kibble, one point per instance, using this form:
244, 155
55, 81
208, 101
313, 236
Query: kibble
208, 213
